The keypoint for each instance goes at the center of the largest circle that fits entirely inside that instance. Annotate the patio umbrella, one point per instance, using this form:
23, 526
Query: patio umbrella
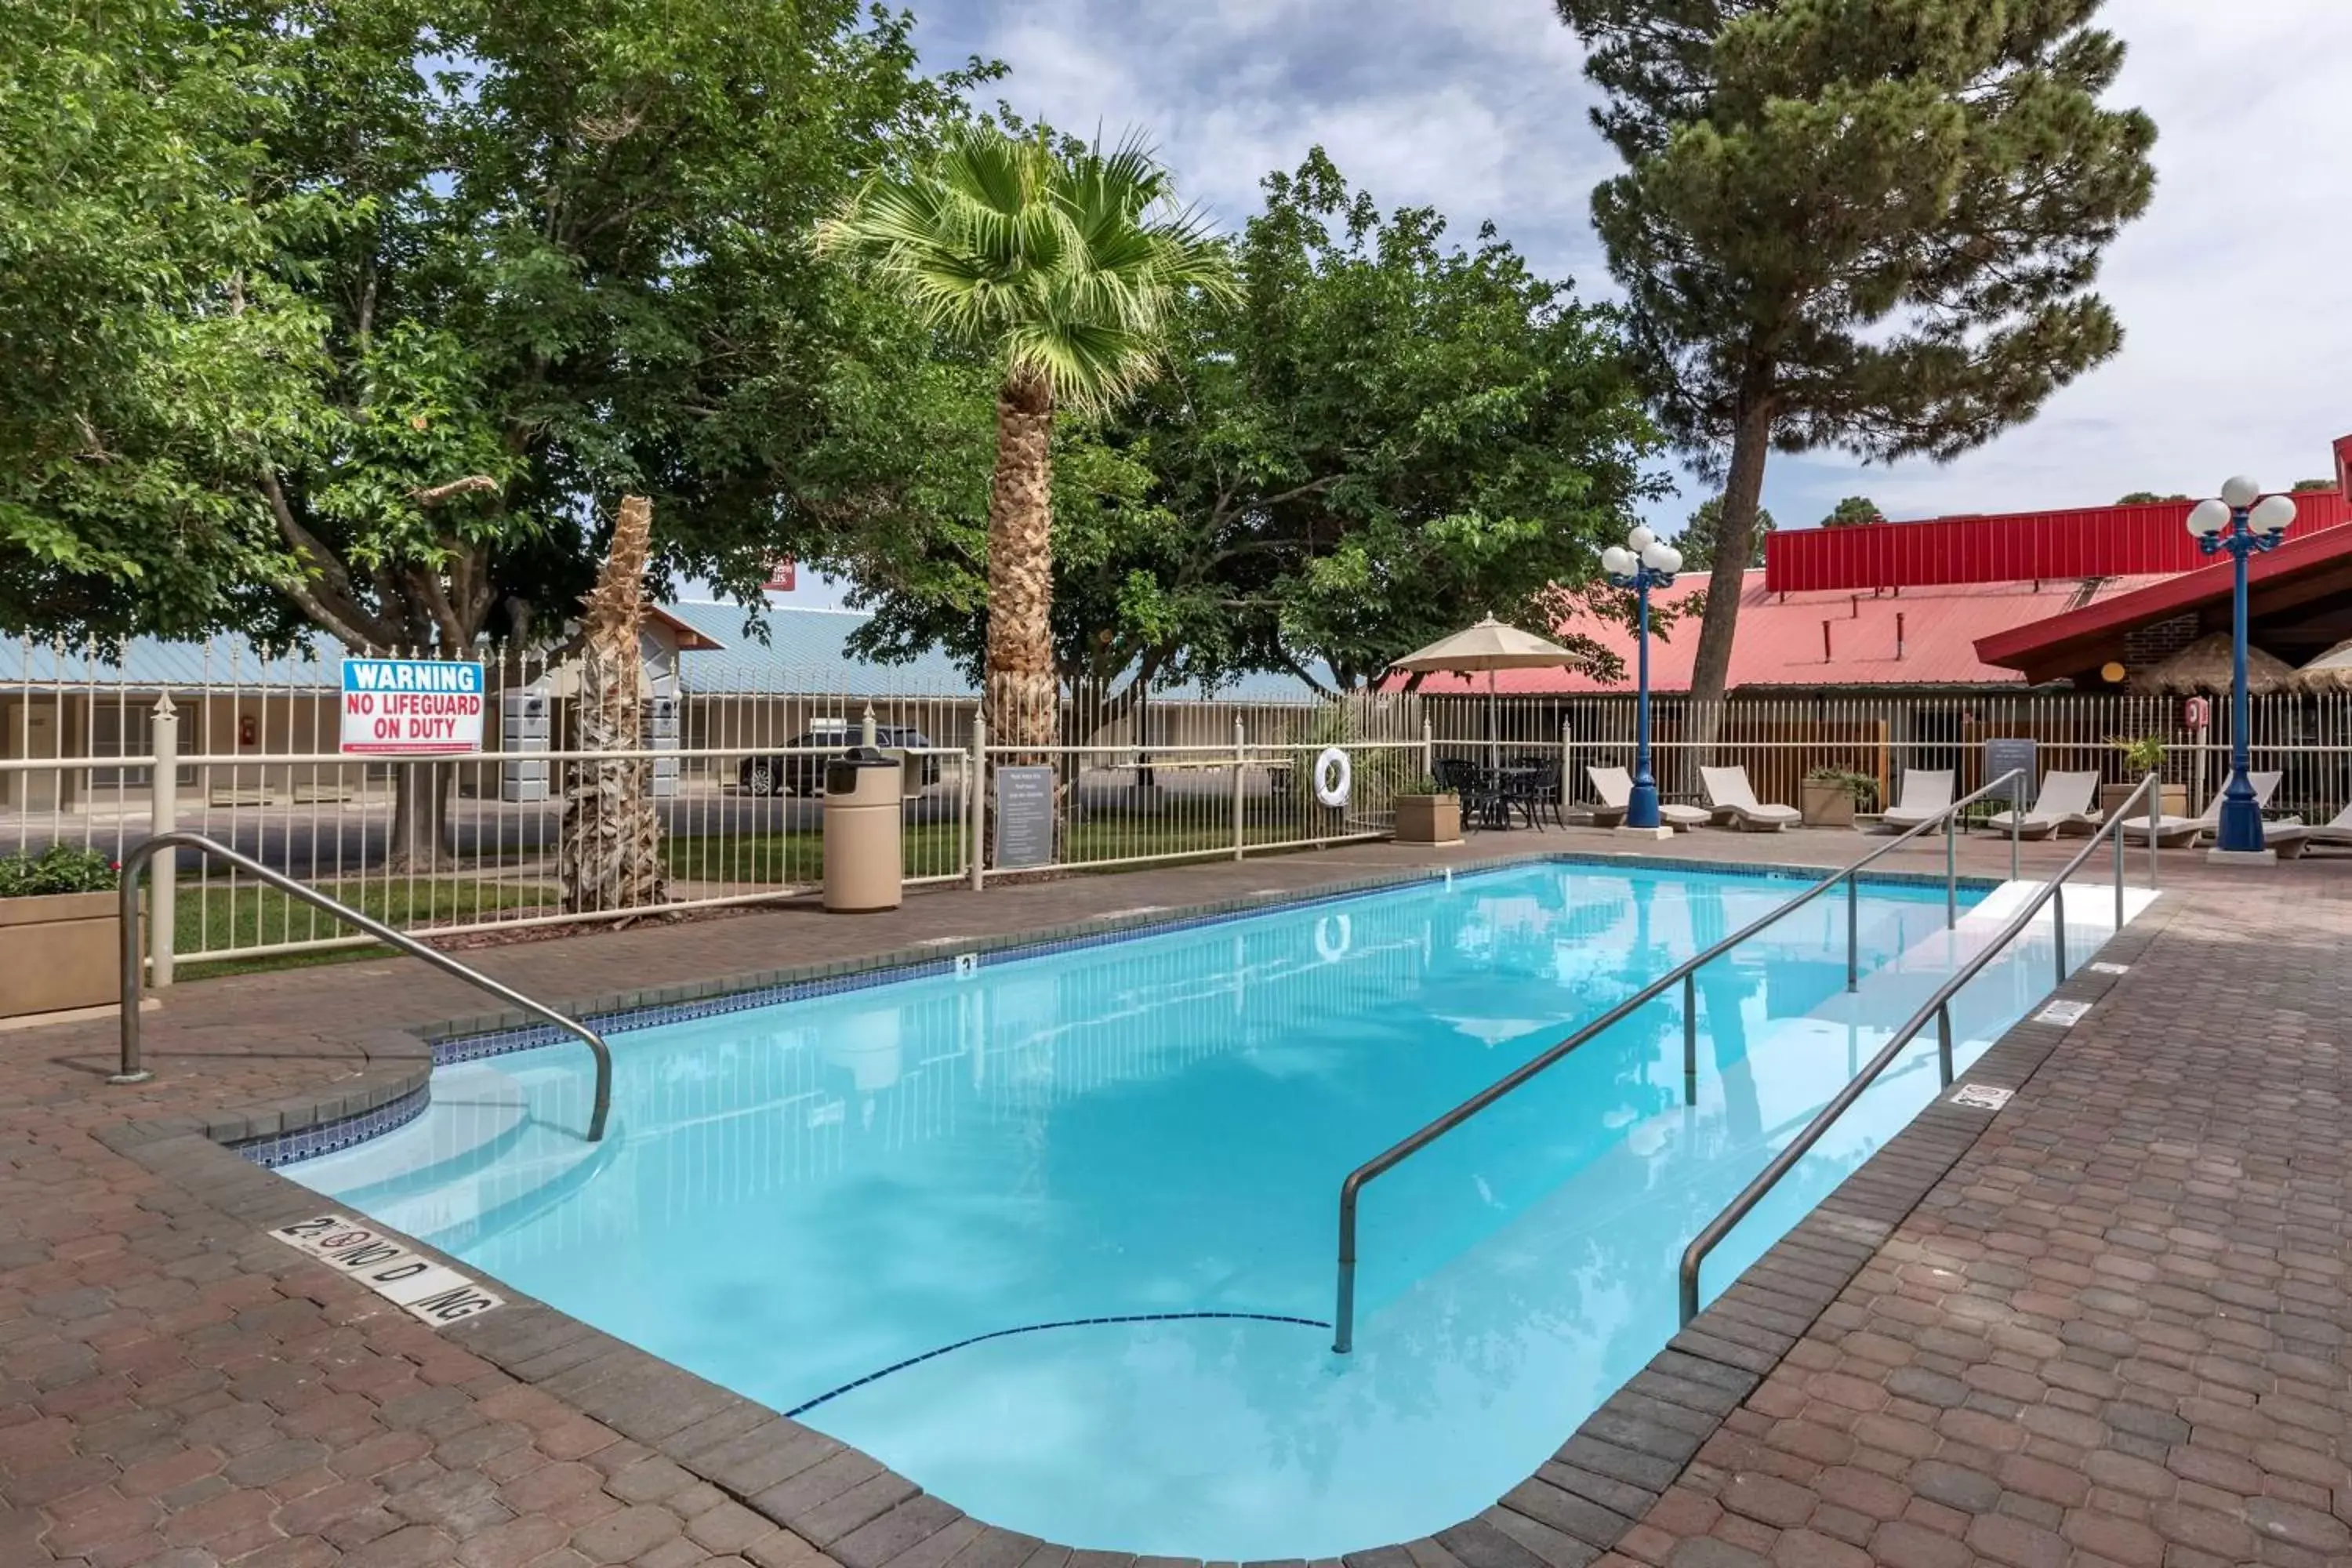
1490, 646
2331, 671
2204, 665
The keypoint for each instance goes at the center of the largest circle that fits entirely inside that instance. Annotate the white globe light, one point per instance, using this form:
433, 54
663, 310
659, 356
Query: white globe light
2207, 518
1674, 560
2273, 514
2240, 490
1640, 538
1657, 555
1617, 561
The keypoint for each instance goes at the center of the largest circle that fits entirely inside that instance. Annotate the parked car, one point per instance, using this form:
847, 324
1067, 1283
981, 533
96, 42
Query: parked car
799, 770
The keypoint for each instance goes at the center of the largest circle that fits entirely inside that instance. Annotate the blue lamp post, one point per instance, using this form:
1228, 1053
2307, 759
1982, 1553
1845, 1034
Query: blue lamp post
1643, 562
2241, 522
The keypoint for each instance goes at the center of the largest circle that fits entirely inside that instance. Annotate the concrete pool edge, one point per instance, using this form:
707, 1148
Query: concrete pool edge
1617, 1462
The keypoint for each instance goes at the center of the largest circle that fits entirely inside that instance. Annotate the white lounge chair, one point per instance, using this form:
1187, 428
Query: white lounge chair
1926, 794
1615, 788
1734, 802
2065, 800
2291, 838
2179, 832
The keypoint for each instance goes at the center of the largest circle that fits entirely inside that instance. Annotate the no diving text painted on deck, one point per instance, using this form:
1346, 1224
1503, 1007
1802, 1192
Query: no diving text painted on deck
411, 707
432, 1293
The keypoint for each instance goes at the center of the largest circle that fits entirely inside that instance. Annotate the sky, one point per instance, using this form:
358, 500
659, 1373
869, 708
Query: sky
2235, 290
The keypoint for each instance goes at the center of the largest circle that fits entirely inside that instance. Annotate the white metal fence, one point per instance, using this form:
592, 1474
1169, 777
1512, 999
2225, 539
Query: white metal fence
245, 751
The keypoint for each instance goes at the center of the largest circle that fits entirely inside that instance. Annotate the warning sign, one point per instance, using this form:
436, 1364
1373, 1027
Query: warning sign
412, 707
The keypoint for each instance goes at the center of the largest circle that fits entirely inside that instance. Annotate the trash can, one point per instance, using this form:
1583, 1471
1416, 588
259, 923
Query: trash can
862, 827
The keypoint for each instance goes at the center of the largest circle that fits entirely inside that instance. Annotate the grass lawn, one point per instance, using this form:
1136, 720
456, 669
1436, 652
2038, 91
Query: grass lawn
253, 916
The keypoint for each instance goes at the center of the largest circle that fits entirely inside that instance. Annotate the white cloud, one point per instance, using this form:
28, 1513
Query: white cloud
2235, 291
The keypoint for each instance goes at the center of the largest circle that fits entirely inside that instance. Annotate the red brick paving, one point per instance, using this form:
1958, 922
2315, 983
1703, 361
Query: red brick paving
2115, 1333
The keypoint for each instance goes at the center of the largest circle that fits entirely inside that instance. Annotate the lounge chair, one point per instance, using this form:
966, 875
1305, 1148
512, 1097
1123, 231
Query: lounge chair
1615, 788
2064, 802
2291, 838
1733, 800
2179, 832
1926, 794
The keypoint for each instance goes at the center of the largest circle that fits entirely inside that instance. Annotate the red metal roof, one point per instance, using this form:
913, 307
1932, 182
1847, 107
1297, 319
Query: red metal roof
2014, 547
2024, 647
1780, 642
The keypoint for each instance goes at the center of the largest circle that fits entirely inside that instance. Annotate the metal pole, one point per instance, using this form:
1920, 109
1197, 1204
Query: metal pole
2119, 871
2242, 816
2016, 827
1951, 876
1241, 757
1944, 1042
2058, 924
162, 816
1428, 751
976, 808
1690, 1039
1853, 934
1343, 1311
1641, 806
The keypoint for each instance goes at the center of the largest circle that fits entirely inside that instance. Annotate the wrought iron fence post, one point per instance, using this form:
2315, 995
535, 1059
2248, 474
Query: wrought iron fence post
163, 815
1241, 761
976, 807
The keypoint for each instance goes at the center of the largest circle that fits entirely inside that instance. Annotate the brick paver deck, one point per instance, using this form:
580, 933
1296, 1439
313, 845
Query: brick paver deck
2113, 1332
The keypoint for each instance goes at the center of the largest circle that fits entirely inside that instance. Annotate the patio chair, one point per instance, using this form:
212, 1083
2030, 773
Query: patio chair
2291, 837
2180, 832
1534, 789
1482, 803
1926, 793
2064, 802
1734, 802
1615, 788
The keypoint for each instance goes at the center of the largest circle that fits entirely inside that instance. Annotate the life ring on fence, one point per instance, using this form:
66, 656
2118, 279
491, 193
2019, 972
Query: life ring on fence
1328, 950
1334, 777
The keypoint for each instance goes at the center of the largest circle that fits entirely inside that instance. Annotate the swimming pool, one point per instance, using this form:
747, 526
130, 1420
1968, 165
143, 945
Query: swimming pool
1107, 1176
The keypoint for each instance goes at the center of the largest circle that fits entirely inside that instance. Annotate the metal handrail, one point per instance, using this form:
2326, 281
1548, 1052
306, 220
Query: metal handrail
134, 861
1938, 1007
1344, 1317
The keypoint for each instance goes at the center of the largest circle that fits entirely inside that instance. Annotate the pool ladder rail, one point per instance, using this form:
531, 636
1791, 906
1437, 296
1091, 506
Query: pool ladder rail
134, 861
1938, 1007
1684, 974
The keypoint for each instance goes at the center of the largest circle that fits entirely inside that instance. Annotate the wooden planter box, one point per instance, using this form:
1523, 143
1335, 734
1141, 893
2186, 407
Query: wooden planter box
59, 951
2175, 798
1825, 804
1428, 820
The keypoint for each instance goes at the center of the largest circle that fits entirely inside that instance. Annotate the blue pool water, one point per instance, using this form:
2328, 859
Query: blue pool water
796, 1197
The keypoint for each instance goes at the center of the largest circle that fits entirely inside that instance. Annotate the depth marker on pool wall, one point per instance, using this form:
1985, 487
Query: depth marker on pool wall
429, 1291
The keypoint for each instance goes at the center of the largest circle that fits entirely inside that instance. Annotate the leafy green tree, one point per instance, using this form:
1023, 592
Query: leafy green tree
1389, 437
1061, 268
1698, 539
1858, 224
419, 289
2301, 485
1853, 513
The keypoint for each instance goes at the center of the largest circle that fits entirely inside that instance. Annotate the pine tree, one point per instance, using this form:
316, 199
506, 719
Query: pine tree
1699, 537
1855, 224
1852, 512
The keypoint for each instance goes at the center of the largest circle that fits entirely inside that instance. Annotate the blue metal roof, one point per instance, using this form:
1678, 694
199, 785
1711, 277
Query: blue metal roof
806, 651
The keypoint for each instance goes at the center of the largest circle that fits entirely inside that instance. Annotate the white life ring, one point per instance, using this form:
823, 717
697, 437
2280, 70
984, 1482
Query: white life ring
1334, 775
1330, 949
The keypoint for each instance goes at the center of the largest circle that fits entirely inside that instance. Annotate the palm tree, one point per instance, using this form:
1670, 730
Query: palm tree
1063, 266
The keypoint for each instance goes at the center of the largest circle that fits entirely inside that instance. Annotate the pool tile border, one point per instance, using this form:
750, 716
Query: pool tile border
1578, 1506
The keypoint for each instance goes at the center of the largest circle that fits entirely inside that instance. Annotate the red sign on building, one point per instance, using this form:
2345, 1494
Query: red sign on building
782, 576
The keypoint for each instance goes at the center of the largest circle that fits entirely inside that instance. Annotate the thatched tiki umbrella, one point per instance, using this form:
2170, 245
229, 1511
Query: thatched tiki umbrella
1489, 645
2331, 671
2204, 665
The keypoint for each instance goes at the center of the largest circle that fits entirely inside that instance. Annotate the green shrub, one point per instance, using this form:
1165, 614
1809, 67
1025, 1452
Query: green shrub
1862, 788
60, 869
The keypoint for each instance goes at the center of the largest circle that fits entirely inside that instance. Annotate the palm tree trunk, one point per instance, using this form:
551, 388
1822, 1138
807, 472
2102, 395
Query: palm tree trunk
1021, 689
609, 856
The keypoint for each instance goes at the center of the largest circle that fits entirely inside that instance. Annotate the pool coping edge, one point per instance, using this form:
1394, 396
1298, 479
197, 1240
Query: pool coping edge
1617, 1462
